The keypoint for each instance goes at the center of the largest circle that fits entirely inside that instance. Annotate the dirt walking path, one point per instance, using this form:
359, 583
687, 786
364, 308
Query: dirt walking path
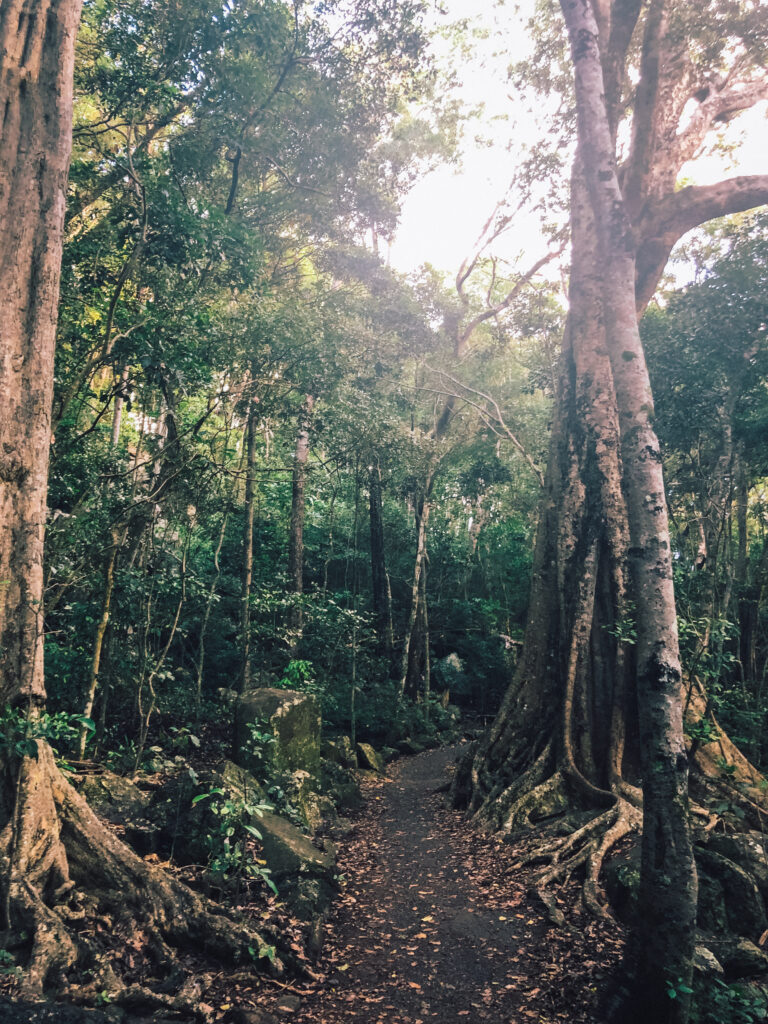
434, 925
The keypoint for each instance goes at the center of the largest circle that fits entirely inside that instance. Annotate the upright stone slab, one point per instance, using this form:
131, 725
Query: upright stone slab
368, 758
293, 721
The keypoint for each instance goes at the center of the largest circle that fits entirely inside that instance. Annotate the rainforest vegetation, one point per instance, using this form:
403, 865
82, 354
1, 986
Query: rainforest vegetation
275, 515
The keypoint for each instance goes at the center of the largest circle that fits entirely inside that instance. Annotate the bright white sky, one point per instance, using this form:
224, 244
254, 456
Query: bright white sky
445, 212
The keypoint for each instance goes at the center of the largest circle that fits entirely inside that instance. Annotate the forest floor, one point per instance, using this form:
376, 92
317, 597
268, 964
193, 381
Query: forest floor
436, 923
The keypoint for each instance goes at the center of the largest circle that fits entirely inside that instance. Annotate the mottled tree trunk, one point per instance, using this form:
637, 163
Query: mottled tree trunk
246, 567
595, 709
411, 648
37, 40
665, 932
379, 584
298, 512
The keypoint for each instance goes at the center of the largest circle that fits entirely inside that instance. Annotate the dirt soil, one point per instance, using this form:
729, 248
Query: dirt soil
436, 923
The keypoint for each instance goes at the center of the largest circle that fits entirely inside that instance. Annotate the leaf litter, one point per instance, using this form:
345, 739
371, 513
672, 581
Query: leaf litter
436, 923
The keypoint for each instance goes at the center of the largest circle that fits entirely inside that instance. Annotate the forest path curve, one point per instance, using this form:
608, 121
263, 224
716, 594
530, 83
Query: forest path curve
432, 925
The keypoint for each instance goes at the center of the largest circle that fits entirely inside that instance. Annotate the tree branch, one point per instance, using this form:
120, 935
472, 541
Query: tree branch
645, 115
489, 417
717, 106
665, 221
469, 329
623, 18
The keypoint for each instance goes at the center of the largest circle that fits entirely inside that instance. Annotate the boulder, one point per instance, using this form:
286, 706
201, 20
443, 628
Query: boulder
182, 826
368, 758
120, 802
705, 961
340, 751
292, 722
114, 797
288, 851
315, 809
304, 873
744, 906
341, 785
739, 957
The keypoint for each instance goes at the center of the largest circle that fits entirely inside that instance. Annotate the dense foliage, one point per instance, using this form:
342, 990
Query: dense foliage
229, 174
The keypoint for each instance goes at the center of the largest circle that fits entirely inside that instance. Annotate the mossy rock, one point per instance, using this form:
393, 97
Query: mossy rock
368, 758
291, 718
288, 851
743, 902
309, 897
705, 962
740, 957
113, 797
341, 785
340, 751
120, 802
182, 826
304, 792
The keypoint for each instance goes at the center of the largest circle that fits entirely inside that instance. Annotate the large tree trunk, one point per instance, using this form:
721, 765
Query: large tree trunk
58, 863
37, 40
665, 935
595, 709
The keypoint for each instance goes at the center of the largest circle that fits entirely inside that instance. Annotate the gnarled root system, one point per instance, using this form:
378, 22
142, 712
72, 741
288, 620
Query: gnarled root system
60, 864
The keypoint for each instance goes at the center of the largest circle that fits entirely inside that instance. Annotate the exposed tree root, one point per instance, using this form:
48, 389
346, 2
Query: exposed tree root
583, 849
60, 864
499, 801
543, 801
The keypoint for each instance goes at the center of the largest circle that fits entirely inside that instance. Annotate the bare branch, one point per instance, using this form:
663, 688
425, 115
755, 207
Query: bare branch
717, 106
497, 417
289, 181
465, 333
